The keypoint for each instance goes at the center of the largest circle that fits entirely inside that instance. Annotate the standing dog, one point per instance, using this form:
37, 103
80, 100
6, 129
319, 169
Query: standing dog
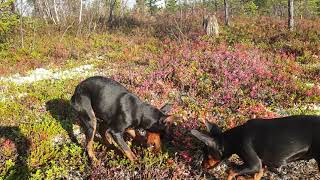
105, 101
260, 142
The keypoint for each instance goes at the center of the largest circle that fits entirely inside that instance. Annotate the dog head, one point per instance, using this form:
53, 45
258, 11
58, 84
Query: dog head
154, 121
213, 152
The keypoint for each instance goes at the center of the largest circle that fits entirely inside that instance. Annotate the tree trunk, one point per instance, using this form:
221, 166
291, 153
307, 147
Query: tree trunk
226, 13
49, 14
36, 8
42, 11
80, 13
111, 12
290, 15
56, 11
216, 5
21, 23
210, 25
305, 9
123, 7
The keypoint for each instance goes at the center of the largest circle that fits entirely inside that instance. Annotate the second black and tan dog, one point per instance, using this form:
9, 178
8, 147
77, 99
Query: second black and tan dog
102, 100
263, 143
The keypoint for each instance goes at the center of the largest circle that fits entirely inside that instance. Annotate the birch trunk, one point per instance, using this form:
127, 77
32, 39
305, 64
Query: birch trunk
49, 14
80, 14
290, 15
21, 23
226, 13
56, 11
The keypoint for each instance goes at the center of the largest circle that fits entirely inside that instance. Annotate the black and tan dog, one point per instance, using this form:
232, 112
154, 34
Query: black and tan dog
102, 100
263, 143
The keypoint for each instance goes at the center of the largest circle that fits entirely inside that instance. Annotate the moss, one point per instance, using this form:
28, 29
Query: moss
39, 142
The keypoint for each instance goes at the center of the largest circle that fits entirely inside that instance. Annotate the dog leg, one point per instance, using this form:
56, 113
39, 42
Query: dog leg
131, 132
91, 131
123, 146
107, 137
91, 125
257, 176
252, 164
245, 169
89, 120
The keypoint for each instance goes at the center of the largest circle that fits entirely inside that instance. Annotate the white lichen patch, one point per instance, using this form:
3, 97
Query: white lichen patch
45, 74
78, 133
40, 74
58, 139
316, 108
313, 109
76, 130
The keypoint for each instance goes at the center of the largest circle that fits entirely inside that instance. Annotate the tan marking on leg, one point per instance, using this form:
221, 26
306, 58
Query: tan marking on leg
90, 150
92, 112
132, 132
130, 155
109, 138
154, 139
231, 175
259, 175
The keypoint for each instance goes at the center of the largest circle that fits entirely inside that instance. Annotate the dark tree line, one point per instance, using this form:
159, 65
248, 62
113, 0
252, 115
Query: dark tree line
91, 14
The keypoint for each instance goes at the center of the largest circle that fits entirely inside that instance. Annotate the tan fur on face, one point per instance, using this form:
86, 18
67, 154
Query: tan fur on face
154, 139
210, 162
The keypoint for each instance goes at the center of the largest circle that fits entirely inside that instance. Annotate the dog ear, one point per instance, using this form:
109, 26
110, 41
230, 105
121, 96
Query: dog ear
208, 125
166, 108
213, 129
209, 141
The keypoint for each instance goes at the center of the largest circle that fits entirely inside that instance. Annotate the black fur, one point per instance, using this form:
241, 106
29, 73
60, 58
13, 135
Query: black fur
258, 142
115, 108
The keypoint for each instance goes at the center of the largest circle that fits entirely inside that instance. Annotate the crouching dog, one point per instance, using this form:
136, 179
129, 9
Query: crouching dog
102, 100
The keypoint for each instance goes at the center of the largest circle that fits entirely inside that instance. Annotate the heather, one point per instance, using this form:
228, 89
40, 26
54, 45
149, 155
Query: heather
254, 69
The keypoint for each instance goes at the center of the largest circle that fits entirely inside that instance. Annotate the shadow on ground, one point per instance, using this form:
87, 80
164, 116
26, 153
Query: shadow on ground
62, 111
13, 138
